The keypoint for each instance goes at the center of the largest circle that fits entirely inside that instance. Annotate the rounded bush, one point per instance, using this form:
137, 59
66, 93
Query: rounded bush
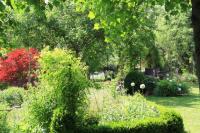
170, 88
139, 78
136, 77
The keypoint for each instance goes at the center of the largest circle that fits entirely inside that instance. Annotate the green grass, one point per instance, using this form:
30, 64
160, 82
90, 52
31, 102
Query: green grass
187, 106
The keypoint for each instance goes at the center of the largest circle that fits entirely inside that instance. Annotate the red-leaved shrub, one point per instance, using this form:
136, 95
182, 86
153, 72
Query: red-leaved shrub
18, 67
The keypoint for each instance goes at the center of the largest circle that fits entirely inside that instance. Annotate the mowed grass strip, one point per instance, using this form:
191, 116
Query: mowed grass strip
187, 106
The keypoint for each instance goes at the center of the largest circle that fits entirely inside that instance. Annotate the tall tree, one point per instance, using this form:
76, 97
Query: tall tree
176, 45
196, 29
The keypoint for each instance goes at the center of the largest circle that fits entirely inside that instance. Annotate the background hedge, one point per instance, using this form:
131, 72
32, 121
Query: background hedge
168, 122
170, 88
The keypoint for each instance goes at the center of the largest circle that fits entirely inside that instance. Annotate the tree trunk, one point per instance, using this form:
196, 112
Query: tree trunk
196, 30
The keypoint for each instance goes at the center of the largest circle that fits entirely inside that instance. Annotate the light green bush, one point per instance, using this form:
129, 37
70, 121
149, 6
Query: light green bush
12, 96
62, 84
3, 122
67, 75
3, 86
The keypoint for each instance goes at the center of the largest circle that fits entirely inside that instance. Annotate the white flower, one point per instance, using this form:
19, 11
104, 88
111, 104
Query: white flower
46, 1
170, 80
142, 86
179, 89
132, 84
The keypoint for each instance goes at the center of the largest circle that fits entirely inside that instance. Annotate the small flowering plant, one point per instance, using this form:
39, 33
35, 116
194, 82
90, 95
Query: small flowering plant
179, 89
132, 84
142, 86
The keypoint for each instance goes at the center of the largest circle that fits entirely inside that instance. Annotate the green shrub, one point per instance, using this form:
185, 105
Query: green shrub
3, 86
168, 122
62, 84
91, 119
14, 119
139, 78
59, 122
12, 96
170, 88
40, 105
136, 77
67, 75
150, 84
184, 88
3, 122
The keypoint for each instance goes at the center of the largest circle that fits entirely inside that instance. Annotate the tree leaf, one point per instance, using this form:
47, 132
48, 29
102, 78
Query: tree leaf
91, 15
96, 26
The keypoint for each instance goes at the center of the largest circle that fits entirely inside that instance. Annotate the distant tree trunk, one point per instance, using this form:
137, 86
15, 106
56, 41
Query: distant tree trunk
196, 29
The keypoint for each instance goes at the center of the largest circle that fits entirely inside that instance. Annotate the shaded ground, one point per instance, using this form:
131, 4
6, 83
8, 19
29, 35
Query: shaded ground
187, 106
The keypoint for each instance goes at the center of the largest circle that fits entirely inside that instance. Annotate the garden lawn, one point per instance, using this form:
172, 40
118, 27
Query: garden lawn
187, 106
